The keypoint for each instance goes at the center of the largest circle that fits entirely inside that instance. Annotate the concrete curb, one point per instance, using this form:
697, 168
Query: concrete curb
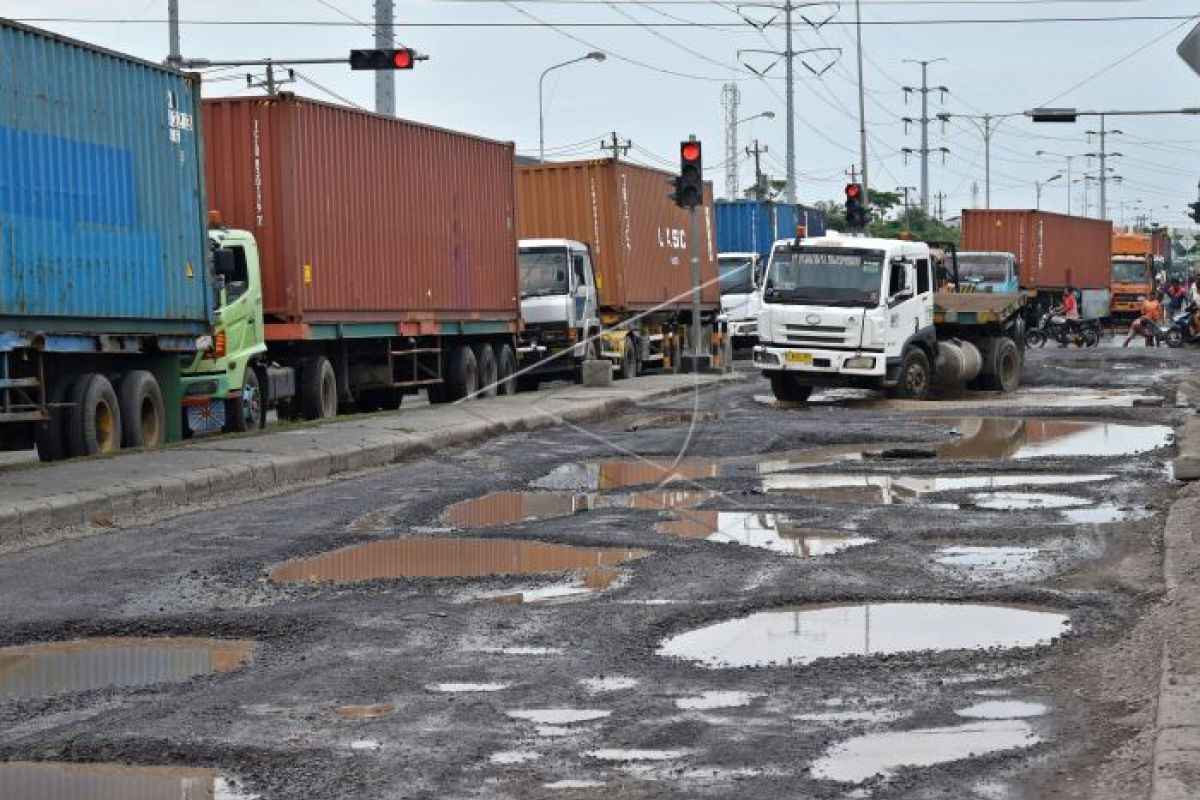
337, 449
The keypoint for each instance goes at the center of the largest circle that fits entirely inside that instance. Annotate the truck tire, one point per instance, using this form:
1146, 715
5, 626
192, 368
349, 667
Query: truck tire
462, 374
1001, 366
629, 359
506, 369
94, 421
488, 372
789, 388
318, 389
143, 412
246, 411
51, 438
915, 375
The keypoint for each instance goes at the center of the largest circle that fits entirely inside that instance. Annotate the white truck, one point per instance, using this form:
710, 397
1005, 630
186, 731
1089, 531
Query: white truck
558, 306
849, 311
741, 276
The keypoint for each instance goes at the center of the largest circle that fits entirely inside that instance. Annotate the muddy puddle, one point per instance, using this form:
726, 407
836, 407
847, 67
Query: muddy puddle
559, 716
762, 530
1104, 513
998, 561
1003, 709
623, 473
1024, 501
803, 635
591, 581
863, 757
998, 438
374, 711
438, 557
59, 781
509, 508
42, 670
710, 701
881, 489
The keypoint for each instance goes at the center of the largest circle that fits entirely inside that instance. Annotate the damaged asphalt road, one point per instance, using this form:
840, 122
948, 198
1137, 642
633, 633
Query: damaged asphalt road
848, 598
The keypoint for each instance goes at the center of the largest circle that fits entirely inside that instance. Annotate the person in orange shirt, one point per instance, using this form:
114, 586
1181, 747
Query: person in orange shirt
1152, 316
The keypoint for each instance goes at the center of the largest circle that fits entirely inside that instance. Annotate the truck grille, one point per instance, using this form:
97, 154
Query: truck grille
815, 335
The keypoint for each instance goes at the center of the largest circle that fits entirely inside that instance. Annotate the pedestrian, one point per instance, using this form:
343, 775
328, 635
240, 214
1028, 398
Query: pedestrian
1146, 324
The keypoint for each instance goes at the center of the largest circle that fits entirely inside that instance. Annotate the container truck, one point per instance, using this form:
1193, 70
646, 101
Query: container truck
1037, 252
1134, 267
105, 278
367, 257
862, 312
746, 230
606, 229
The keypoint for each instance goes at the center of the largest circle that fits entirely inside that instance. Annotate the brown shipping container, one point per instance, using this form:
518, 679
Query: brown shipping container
1054, 250
637, 235
364, 218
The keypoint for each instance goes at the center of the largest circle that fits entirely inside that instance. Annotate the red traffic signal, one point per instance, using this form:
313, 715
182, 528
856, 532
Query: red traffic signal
690, 192
853, 191
689, 151
401, 58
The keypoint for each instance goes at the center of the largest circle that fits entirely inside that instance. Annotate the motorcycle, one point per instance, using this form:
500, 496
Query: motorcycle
1053, 325
1181, 331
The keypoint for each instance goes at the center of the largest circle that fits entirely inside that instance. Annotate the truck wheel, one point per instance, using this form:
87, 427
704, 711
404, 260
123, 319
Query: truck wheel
487, 371
142, 410
789, 388
94, 423
1002, 367
914, 375
629, 359
246, 412
506, 368
51, 438
462, 373
318, 389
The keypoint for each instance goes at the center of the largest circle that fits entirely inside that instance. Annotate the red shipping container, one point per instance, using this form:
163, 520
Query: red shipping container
1054, 250
365, 218
638, 236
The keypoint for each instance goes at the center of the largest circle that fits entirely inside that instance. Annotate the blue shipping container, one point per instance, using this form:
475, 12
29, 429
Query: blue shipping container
751, 226
102, 212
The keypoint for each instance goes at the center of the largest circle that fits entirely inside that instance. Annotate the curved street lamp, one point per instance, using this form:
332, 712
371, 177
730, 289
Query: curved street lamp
595, 55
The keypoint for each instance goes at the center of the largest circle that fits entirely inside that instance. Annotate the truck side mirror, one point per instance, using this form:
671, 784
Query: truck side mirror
224, 263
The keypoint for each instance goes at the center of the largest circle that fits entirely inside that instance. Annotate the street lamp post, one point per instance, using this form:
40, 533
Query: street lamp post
595, 55
1039, 185
1069, 159
731, 174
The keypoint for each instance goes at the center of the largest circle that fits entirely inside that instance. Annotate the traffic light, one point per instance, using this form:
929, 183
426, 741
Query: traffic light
1195, 207
690, 188
402, 58
856, 209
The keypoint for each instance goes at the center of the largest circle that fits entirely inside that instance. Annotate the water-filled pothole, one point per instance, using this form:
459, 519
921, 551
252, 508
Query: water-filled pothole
803, 635
622, 473
855, 760
708, 701
992, 438
371, 711
1104, 513
762, 530
1004, 560
60, 781
1024, 501
892, 489
559, 716
590, 581
440, 557
509, 508
1003, 709
41, 670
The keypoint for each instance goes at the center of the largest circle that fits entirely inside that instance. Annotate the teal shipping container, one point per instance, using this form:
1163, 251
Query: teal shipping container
102, 208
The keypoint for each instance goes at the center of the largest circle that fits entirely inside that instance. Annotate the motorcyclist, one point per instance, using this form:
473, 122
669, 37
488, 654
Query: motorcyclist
1070, 312
1176, 295
1147, 323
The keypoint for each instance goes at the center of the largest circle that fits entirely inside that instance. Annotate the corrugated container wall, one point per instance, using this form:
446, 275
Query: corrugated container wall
1131, 244
639, 238
752, 226
364, 218
1054, 250
101, 201
813, 220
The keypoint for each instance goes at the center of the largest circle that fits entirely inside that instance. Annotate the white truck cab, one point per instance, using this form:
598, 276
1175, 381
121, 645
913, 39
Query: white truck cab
558, 306
741, 278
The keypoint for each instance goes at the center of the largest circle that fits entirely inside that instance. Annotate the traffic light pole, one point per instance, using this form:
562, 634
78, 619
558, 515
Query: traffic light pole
697, 339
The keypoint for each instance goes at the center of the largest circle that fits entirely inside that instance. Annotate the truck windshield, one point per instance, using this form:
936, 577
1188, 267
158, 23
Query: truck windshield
544, 272
982, 269
828, 276
737, 275
1129, 272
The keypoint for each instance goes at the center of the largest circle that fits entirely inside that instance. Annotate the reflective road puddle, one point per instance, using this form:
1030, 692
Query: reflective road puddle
58, 781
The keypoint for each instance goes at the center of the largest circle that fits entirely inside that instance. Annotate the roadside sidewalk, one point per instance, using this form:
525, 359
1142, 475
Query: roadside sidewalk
137, 486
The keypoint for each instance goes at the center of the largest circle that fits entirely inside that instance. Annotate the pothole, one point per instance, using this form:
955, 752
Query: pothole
1104, 513
442, 557
60, 781
708, 701
613, 684
762, 530
509, 508
892, 489
623, 473
863, 757
803, 635
50, 668
591, 581
372, 711
1018, 438
464, 688
559, 716
1002, 560
617, 754
1022, 501
1003, 709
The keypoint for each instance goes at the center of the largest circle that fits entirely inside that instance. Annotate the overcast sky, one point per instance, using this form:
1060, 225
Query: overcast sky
486, 56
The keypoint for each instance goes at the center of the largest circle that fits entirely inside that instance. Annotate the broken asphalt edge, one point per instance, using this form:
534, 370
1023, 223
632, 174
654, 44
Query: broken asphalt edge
55, 517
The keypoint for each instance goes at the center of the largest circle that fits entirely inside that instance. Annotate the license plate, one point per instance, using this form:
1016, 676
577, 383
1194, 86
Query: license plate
798, 358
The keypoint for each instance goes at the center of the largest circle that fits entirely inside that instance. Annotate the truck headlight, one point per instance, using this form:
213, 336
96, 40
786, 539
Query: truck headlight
204, 343
859, 362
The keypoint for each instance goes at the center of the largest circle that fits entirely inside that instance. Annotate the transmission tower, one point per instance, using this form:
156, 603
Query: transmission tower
731, 98
924, 119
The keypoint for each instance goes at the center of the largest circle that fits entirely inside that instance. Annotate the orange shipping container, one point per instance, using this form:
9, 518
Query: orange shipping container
639, 238
1131, 244
365, 218
1054, 250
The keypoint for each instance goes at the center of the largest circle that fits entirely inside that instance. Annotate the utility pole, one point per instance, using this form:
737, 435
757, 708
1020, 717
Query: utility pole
853, 173
174, 57
862, 106
760, 180
941, 210
385, 79
270, 84
789, 55
906, 190
986, 124
616, 146
925, 119
974, 194
731, 98
1104, 155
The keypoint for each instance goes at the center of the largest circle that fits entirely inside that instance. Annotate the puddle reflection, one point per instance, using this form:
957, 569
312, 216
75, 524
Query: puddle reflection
762, 530
509, 508
994, 438
59, 781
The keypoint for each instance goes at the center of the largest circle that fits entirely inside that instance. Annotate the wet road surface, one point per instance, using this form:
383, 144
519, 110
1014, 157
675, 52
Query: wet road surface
721, 596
